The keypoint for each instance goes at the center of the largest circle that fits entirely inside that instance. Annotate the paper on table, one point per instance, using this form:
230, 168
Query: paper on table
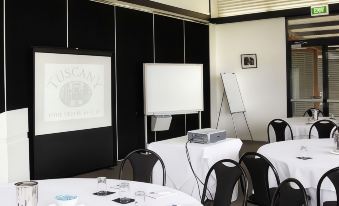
159, 194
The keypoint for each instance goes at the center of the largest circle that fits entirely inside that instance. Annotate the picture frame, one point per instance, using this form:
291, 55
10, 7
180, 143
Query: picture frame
248, 61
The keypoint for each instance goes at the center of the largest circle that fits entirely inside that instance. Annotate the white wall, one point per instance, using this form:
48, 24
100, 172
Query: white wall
14, 146
200, 6
263, 89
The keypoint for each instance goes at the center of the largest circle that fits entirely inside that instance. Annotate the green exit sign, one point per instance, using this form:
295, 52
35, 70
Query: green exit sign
319, 10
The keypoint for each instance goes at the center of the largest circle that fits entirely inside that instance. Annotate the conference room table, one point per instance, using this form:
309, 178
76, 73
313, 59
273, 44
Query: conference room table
283, 155
202, 156
84, 189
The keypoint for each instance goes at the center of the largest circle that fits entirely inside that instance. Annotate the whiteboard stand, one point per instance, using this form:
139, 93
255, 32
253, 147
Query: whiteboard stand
155, 133
234, 99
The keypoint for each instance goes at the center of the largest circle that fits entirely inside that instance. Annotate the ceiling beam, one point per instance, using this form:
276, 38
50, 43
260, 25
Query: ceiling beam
308, 25
321, 32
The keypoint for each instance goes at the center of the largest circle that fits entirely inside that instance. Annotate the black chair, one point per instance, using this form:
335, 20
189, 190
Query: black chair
226, 178
324, 127
309, 112
279, 127
333, 175
288, 196
258, 167
142, 162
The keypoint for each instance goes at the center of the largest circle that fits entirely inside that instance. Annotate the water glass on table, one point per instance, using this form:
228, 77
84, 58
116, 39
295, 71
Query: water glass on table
140, 197
124, 192
102, 186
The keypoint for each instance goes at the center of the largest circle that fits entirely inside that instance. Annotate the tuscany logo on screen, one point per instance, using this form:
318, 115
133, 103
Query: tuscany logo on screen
73, 91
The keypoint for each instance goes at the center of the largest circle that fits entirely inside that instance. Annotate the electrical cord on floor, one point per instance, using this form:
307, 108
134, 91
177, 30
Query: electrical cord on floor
197, 179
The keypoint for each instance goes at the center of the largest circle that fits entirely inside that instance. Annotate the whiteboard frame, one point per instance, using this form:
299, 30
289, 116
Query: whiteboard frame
177, 111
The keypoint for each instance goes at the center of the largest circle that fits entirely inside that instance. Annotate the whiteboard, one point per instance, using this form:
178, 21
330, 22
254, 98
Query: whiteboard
173, 88
233, 92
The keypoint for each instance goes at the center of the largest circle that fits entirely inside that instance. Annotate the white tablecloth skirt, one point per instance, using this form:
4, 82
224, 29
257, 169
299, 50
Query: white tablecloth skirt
203, 156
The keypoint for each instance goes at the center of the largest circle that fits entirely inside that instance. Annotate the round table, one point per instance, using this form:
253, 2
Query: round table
283, 156
84, 189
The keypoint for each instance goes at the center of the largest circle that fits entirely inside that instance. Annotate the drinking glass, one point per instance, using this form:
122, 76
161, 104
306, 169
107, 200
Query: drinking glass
124, 192
101, 186
303, 151
27, 193
336, 140
140, 198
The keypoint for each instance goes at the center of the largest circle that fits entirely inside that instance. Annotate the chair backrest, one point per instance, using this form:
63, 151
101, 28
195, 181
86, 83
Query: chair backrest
333, 175
287, 195
226, 178
279, 127
309, 112
258, 167
143, 162
324, 128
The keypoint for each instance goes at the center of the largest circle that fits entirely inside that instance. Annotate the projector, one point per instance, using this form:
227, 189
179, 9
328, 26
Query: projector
207, 135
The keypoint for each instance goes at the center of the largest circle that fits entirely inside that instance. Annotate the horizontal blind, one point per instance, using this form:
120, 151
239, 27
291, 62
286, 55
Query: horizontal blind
333, 78
240, 7
302, 77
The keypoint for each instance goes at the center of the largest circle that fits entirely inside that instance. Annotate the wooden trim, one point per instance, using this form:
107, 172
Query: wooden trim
305, 11
168, 8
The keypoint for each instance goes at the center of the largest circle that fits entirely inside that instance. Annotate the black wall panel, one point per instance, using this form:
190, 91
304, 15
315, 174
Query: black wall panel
169, 40
2, 81
33, 23
197, 51
134, 47
71, 153
91, 25
169, 48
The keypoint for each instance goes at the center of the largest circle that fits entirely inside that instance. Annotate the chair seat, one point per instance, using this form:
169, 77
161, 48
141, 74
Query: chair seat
254, 200
330, 203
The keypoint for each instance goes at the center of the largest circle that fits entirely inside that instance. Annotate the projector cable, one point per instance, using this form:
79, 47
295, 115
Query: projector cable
197, 179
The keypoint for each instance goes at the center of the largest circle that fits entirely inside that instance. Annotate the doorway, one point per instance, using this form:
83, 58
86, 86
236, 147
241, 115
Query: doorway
313, 65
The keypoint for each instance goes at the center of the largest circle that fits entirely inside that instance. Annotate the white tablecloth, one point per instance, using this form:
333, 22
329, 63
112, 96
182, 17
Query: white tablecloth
203, 156
300, 127
84, 188
308, 172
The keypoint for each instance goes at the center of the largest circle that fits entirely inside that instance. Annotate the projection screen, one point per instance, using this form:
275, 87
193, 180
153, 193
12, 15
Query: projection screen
72, 90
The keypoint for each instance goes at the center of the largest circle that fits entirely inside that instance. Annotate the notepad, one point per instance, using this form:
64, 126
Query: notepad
159, 194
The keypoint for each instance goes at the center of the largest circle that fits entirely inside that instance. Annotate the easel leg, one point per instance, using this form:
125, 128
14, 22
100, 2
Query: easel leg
248, 127
235, 128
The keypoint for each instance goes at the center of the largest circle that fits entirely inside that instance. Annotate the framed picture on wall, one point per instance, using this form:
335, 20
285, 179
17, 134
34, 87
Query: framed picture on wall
248, 61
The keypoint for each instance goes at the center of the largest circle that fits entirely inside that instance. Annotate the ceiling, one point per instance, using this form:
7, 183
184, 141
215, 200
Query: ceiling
313, 27
228, 8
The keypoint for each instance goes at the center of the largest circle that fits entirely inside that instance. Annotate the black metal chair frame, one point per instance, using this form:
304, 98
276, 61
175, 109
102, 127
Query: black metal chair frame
270, 165
287, 181
336, 169
236, 164
320, 122
308, 112
274, 121
139, 151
